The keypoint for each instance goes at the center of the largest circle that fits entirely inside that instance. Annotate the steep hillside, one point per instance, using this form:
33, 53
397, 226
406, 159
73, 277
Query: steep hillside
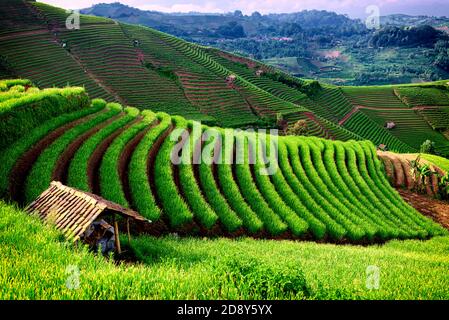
148, 69
259, 185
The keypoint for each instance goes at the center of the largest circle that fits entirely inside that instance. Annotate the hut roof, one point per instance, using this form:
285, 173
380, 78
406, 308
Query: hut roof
73, 211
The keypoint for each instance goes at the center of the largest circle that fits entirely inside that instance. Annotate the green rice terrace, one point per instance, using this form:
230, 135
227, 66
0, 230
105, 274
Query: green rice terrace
147, 69
152, 124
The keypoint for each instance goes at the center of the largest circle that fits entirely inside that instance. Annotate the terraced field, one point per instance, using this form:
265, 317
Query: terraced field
425, 96
410, 128
310, 188
147, 69
383, 97
417, 112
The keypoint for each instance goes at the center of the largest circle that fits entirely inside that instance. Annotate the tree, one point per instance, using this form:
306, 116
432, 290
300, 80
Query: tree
428, 147
290, 29
256, 15
300, 128
231, 30
238, 13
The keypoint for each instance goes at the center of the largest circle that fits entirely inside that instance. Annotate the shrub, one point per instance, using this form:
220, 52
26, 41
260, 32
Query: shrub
300, 128
428, 147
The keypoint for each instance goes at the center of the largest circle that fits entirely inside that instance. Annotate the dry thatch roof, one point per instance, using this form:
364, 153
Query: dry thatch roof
72, 211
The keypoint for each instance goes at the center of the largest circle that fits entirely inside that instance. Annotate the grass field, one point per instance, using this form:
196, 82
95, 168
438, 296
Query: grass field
175, 268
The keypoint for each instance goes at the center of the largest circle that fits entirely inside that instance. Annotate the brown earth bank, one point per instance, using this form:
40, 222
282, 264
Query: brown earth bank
433, 208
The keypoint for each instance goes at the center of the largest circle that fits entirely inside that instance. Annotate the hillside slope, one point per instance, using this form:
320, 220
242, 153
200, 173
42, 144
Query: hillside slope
176, 172
148, 69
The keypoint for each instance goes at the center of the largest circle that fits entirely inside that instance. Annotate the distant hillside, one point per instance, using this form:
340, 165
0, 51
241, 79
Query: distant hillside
196, 25
315, 44
148, 69
391, 36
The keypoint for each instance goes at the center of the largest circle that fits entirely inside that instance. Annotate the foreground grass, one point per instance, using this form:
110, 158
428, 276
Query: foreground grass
35, 264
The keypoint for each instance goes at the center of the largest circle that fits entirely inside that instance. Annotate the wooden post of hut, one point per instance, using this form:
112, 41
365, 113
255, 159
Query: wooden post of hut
117, 236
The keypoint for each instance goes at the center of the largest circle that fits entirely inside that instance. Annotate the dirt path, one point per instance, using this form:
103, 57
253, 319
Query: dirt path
24, 34
430, 207
347, 116
357, 108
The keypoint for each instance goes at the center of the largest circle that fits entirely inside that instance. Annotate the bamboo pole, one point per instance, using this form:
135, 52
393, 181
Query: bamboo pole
117, 238
127, 229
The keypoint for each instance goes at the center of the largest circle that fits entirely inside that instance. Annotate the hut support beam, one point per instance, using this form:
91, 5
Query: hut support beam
117, 238
127, 229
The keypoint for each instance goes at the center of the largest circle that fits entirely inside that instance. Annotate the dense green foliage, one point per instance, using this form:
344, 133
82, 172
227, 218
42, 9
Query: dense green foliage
18, 115
215, 269
417, 36
42, 172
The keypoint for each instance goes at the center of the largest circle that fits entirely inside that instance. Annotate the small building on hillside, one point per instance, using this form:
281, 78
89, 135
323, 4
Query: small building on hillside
390, 125
82, 216
382, 147
231, 78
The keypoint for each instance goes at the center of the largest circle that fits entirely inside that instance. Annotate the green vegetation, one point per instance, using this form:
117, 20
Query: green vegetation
417, 96
42, 172
300, 198
281, 186
215, 269
12, 154
440, 162
139, 176
188, 184
166, 74
78, 170
20, 114
110, 179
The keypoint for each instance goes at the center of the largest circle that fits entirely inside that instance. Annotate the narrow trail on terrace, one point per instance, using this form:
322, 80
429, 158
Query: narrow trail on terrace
93, 167
23, 166
16, 35
61, 170
357, 108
